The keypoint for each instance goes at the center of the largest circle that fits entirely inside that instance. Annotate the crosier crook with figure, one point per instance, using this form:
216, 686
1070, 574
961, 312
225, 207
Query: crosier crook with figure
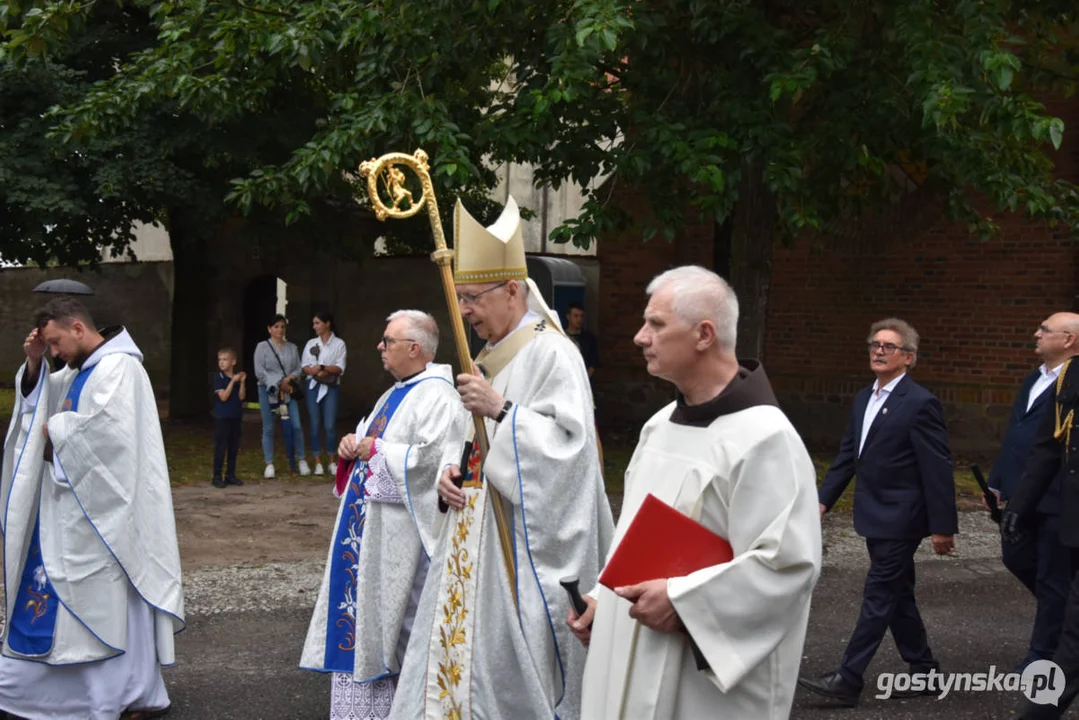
486, 640
476, 449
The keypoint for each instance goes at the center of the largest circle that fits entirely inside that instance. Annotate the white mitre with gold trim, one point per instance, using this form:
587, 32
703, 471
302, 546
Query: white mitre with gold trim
495, 254
492, 254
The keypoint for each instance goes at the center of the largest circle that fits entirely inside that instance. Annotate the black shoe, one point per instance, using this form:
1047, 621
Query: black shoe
219, 483
1028, 659
833, 685
233, 480
908, 694
929, 689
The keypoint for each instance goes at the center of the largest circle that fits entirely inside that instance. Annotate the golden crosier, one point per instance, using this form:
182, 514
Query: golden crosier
393, 180
385, 168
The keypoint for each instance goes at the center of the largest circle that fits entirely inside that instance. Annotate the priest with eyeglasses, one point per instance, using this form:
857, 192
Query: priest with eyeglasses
488, 641
387, 523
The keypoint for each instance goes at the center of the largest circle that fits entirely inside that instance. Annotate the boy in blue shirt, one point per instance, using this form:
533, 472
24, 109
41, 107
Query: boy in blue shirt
229, 394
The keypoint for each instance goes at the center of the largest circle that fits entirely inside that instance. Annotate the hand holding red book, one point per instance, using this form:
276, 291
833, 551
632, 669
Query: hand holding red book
661, 542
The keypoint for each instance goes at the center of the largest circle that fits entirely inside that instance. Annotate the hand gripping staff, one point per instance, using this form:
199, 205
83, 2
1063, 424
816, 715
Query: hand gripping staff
401, 206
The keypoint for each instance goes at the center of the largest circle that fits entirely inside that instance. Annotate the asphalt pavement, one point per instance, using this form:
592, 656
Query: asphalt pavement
242, 665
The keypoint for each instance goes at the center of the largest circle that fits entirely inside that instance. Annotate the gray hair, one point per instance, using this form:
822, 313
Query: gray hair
904, 329
698, 295
421, 327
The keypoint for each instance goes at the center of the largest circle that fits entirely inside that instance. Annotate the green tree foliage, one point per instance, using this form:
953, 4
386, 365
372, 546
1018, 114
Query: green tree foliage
63, 203
776, 116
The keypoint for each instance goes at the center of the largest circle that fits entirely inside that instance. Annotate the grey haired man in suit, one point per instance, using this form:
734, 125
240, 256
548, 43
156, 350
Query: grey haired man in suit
897, 445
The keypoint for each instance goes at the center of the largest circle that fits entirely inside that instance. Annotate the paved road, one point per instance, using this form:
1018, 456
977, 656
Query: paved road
241, 665
976, 614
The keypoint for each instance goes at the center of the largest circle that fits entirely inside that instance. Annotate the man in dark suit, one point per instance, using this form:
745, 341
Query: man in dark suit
1039, 561
897, 445
1054, 460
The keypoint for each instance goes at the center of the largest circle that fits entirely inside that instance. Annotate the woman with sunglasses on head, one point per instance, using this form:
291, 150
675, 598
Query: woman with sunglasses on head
323, 365
277, 367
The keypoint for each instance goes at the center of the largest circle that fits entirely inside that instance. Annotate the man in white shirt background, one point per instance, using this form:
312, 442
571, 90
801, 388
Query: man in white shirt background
1039, 561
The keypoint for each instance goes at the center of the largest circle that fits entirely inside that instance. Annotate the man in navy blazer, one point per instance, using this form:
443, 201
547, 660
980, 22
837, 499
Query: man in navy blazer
897, 446
1039, 561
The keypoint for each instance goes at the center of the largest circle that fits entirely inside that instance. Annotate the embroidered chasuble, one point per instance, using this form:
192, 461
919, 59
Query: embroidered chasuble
345, 562
91, 558
31, 628
737, 466
377, 559
472, 653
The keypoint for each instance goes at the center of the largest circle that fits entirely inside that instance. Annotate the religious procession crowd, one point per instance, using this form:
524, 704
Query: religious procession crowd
474, 568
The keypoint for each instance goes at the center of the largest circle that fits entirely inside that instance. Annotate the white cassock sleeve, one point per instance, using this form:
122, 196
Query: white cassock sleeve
740, 611
548, 430
24, 419
437, 430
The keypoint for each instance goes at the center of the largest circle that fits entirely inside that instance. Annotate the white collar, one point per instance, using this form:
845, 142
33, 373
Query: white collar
890, 386
530, 317
432, 370
121, 343
1048, 372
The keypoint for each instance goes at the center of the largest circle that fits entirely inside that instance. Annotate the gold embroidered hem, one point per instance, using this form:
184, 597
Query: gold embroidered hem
486, 276
457, 598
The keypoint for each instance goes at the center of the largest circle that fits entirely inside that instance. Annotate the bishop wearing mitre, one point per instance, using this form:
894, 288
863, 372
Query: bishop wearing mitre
488, 640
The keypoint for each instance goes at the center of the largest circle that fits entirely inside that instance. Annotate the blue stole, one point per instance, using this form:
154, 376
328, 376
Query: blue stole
345, 559
33, 623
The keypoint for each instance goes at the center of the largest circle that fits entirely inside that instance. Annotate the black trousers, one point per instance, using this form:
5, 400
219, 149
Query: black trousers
1066, 656
1043, 565
226, 439
888, 604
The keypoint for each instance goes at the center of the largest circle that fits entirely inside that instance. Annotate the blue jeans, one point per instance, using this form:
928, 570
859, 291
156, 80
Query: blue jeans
292, 429
323, 414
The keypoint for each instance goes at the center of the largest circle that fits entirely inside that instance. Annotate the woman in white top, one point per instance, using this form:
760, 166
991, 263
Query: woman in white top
323, 365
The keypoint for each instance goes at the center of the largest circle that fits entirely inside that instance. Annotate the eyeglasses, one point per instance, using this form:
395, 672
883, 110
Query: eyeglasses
471, 299
387, 340
1046, 331
888, 348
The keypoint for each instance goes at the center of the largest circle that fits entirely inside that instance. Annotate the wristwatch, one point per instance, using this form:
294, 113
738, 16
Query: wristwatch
505, 409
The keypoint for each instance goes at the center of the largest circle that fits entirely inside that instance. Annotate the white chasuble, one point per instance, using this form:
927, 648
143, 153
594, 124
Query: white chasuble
90, 536
747, 477
472, 653
361, 621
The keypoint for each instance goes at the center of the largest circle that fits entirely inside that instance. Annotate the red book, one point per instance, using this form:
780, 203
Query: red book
663, 543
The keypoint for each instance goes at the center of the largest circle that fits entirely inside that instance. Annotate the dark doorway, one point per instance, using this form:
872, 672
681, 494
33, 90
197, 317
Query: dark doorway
261, 303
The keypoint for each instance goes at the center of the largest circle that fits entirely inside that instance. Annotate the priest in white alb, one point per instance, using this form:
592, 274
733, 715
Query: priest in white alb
727, 457
91, 561
387, 523
488, 641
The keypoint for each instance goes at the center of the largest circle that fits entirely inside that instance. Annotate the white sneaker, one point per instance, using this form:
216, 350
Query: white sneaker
305, 469
333, 469
269, 473
318, 469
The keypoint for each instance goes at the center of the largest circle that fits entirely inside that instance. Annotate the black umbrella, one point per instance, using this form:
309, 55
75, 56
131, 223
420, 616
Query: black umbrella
64, 286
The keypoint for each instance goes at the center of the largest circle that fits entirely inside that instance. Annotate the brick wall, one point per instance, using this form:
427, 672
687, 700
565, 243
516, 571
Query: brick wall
975, 303
626, 395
